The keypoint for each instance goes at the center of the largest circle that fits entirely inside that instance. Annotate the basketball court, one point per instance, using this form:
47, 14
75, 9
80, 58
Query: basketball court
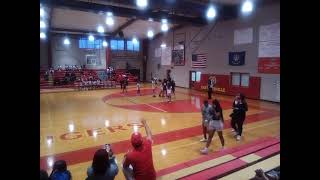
75, 121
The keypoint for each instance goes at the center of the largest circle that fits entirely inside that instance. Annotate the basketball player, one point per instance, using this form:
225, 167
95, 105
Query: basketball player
161, 88
207, 113
215, 124
138, 88
164, 86
153, 85
173, 84
169, 88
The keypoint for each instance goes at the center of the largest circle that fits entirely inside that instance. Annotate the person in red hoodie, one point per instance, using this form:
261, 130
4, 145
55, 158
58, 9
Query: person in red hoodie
140, 158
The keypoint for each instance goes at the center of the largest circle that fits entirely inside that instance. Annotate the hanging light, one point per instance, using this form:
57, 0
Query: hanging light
100, 29
41, 12
42, 24
150, 34
134, 40
247, 7
163, 45
91, 37
104, 44
66, 41
109, 19
142, 3
42, 35
211, 12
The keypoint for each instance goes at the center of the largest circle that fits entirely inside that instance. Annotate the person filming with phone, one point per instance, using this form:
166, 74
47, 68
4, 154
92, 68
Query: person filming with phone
138, 163
104, 166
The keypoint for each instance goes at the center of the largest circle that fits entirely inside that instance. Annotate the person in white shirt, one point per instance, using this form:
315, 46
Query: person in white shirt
153, 85
138, 87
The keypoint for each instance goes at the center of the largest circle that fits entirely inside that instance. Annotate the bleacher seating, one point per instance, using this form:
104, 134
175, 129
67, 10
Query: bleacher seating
59, 75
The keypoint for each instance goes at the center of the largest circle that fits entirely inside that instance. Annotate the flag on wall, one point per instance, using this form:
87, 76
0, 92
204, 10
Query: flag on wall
199, 61
237, 58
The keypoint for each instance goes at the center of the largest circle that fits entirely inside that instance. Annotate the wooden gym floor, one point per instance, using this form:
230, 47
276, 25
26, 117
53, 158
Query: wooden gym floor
73, 125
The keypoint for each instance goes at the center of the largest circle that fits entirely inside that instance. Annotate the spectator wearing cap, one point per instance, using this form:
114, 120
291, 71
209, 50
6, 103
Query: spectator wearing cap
140, 158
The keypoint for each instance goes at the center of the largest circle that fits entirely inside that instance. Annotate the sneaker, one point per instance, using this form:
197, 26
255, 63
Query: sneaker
238, 138
203, 140
204, 151
223, 148
235, 134
232, 130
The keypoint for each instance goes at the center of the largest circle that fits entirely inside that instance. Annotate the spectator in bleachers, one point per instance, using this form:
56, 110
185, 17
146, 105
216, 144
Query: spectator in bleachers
43, 175
140, 158
104, 166
60, 172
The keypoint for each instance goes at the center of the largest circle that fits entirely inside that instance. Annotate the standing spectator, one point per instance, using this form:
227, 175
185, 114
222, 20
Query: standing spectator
103, 166
60, 172
140, 158
211, 84
240, 107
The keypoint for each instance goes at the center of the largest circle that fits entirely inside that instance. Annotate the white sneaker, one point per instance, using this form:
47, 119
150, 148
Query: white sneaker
232, 130
238, 138
203, 140
204, 151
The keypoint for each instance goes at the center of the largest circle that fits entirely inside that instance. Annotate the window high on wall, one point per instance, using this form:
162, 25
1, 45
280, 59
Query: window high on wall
117, 44
133, 46
84, 43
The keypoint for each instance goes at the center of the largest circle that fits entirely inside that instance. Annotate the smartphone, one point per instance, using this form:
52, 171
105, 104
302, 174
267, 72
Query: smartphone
107, 147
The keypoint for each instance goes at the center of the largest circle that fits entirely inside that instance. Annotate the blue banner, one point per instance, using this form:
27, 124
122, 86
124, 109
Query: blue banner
237, 58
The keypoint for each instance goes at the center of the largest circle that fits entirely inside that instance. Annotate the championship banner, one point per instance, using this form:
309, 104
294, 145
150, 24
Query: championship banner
269, 65
237, 58
178, 57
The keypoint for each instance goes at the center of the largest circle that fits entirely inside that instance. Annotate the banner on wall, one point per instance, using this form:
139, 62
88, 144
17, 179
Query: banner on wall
237, 58
243, 36
269, 65
166, 56
178, 57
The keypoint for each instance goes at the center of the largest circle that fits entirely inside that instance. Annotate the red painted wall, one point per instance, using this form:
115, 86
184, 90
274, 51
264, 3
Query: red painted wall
224, 86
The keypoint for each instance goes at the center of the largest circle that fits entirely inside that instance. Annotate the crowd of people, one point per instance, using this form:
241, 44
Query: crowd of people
137, 163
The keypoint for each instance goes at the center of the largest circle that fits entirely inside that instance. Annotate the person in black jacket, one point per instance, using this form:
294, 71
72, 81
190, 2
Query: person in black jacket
240, 107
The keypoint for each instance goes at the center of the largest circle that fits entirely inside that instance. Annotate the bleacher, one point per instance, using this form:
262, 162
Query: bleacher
57, 80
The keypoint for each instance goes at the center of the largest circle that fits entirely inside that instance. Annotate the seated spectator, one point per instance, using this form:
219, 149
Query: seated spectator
271, 175
103, 166
140, 158
43, 175
60, 172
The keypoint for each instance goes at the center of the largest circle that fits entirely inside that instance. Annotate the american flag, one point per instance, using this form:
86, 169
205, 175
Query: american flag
199, 61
